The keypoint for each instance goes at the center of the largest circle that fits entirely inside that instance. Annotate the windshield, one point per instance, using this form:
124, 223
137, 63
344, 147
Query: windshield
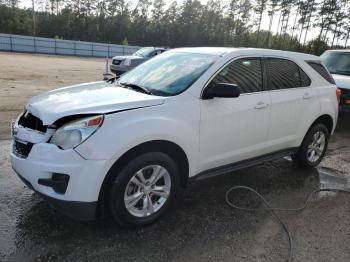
337, 62
144, 52
170, 73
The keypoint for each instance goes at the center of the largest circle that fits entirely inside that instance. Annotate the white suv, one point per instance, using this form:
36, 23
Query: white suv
126, 145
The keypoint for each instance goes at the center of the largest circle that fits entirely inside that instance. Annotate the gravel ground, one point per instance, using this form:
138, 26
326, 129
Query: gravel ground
24, 75
200, 226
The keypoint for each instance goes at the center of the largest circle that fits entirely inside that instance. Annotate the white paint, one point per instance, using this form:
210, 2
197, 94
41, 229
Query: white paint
211, 132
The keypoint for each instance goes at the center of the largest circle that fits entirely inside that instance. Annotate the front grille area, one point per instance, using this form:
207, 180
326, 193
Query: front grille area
21, 149
32, 122
116, 62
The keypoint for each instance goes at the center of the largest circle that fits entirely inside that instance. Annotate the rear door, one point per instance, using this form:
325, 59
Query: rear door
234, 129
291, 94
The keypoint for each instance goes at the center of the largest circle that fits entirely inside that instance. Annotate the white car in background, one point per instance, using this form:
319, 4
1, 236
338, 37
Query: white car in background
338, 63
126, 145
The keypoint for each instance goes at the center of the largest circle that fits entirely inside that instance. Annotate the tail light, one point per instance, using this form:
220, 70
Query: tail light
338, 93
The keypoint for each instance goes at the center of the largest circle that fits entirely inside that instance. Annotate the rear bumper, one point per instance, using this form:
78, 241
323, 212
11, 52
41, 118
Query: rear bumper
344, 108
84, 211
345, 97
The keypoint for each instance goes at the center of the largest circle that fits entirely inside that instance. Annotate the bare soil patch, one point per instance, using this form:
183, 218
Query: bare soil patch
25, 75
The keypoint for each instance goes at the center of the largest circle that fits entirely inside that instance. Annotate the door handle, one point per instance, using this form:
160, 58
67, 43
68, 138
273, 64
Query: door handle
261, 105
307, 96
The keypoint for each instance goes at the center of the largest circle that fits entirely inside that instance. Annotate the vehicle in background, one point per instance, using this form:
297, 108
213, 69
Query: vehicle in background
126, 145
122, 64
338, 64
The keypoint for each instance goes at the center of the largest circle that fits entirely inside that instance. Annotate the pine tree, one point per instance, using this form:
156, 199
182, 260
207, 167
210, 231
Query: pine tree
324, 15
259, 9
158, 11
271, 13
339, 16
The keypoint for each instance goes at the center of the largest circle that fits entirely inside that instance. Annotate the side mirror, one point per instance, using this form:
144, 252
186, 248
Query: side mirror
222, 90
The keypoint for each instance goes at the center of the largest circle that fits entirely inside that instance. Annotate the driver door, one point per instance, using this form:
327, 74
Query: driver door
235, 129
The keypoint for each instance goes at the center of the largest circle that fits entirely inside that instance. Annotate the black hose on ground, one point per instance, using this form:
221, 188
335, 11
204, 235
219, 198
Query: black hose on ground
273, 209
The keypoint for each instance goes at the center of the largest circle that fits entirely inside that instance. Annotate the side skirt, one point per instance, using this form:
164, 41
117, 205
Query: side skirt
243, 164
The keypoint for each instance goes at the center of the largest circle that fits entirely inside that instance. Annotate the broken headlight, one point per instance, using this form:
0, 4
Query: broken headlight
76, 132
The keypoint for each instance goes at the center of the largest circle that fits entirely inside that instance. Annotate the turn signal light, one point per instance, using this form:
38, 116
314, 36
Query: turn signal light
95, 121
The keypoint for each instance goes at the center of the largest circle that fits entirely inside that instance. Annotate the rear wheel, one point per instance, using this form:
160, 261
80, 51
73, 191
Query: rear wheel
144, 188
313, 147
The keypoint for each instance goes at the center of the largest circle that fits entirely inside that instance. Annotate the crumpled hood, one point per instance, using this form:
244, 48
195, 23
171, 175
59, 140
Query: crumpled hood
342, 81
89, 98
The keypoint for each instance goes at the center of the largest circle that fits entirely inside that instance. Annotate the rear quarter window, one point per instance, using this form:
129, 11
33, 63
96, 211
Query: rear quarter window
321, 70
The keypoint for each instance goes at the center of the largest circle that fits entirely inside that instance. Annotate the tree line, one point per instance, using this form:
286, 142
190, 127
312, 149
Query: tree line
189, 23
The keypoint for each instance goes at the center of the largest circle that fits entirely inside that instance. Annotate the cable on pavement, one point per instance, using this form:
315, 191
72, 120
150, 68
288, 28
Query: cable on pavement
273, 209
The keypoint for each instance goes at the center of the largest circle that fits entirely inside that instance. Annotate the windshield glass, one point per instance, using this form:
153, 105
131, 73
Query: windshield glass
144, 52
169, 73
337, 62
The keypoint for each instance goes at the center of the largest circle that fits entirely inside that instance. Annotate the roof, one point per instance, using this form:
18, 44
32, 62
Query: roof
221, 51
205, 50
339, 50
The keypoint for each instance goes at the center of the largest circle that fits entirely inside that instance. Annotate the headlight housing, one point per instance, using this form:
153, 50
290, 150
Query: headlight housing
76, 132
127, 62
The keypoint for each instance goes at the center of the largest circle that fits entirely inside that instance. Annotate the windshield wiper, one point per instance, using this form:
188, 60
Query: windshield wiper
137, 87
112, 79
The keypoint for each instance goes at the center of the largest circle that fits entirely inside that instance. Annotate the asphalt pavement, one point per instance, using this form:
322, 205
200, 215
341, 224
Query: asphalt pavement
200, 225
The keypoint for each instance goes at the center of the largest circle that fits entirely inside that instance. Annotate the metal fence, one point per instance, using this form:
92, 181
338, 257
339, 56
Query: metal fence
29, 44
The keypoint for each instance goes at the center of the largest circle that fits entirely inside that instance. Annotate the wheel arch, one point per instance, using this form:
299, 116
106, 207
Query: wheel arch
325, 119
300, 156
164, 146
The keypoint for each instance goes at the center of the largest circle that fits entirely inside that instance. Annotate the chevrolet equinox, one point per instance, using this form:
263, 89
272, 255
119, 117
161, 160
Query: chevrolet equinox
126, 145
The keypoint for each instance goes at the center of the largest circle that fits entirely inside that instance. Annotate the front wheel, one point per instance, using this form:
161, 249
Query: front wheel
313, 147
144, 188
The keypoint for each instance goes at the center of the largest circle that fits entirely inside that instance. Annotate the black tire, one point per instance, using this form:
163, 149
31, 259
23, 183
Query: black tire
117, 190
301, 156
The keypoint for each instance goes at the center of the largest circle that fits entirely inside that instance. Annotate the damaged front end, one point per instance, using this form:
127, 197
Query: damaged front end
28, 130
56, 173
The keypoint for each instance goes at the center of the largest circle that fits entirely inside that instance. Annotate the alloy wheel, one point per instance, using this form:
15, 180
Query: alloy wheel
316, 147
147, 191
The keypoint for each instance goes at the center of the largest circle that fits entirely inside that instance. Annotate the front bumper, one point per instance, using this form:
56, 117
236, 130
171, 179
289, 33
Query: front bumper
79, 197
84, 211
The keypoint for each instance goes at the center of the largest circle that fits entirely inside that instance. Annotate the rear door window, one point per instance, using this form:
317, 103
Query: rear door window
285, 74
304, 78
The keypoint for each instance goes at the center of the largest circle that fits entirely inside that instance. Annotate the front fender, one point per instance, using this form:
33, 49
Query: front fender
123, 131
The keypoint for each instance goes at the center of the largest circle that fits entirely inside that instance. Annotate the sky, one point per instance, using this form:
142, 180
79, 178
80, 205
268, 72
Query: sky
313, 32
